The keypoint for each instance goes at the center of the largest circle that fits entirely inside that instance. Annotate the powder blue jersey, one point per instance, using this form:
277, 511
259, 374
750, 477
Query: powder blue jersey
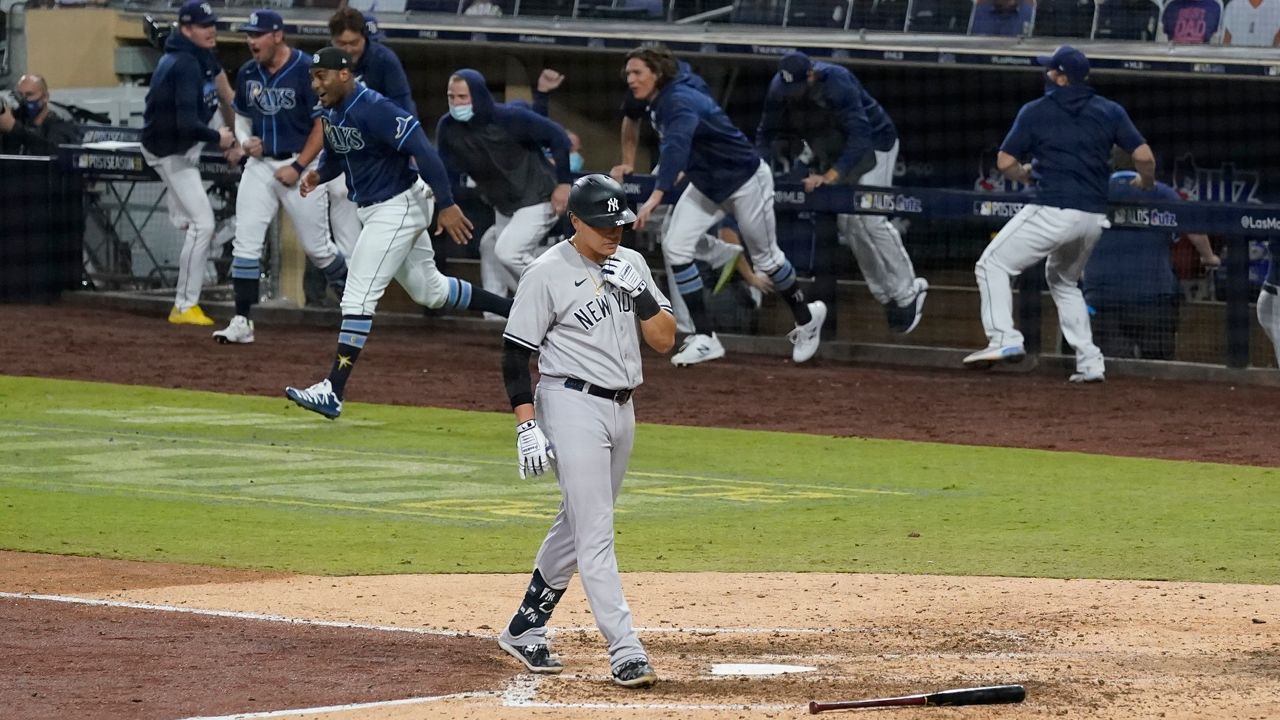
282, 106
371, 139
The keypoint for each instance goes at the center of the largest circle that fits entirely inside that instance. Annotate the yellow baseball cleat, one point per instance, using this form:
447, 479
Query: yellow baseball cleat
191, 316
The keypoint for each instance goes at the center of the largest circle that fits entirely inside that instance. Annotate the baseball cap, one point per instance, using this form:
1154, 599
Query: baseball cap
197, 12
794, 68
371, 29
263, 21
331, 58
1068, 61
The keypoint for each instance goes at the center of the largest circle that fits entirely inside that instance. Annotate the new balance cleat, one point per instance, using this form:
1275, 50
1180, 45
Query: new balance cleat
994, 355
536, 658
635, 673
238, 331
318, 398
698, 349
807, 337
904, 318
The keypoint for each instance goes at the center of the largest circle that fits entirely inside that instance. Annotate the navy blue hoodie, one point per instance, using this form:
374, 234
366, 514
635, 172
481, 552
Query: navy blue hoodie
699, 140
381, 70
501, 149
847, 106
182, 99
1068, 133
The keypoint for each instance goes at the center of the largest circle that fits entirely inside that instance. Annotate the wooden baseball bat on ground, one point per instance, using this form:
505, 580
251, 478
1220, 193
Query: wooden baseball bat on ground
991, 695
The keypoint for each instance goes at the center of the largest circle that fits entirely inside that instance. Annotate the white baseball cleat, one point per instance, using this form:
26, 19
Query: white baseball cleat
698, 349
240, 330
993, 355
807, 337
1088, 376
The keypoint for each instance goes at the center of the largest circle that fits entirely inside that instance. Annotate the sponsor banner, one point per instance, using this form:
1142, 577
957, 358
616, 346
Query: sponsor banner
1143, 217
996, 208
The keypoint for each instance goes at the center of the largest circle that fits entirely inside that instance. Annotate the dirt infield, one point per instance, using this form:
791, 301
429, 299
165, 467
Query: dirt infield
1096, 649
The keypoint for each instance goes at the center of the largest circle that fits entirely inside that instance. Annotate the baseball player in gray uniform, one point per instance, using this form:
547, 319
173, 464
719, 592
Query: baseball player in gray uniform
578, 305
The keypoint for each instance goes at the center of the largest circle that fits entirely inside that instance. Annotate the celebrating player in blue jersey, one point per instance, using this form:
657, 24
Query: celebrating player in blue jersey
1068, 135
279, 129
725, 175
371, 140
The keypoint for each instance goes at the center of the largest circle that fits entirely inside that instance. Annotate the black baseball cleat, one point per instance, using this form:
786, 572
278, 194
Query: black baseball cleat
635, 673
536, 658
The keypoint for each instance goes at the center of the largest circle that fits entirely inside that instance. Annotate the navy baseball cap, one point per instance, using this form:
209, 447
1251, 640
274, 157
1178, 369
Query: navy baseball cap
197, 12
331, 58
371, 29
794, 68
263, 21
1068, 61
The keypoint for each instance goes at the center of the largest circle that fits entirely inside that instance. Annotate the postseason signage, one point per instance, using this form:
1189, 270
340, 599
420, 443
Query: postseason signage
996, 208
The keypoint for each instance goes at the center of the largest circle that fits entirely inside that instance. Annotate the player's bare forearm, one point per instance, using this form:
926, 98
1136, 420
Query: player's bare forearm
1201, 243
524, 413
225, 98
1144, 161
315, 143
659, 331
630, 140
1009, 166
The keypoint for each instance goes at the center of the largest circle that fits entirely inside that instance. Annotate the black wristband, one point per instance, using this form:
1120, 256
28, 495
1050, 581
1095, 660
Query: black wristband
299, 167
646, 305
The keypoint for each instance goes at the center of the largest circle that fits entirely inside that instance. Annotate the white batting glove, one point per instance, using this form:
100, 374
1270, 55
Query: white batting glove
533, 448
622, 275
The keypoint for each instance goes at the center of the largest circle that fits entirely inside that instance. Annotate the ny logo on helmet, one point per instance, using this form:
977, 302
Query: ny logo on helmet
613, 205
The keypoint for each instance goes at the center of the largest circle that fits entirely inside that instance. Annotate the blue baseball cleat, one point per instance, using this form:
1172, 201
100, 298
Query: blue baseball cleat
318, 398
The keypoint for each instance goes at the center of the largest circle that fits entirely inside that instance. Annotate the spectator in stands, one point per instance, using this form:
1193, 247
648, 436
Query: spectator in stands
1011, 18
32, 128
1132, 290
1127, 19
1253, 23
1192, 22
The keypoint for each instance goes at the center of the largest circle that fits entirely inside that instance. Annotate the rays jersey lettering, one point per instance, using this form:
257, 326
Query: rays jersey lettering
365, 137
270, 100
209, 95
342, 140
282, 106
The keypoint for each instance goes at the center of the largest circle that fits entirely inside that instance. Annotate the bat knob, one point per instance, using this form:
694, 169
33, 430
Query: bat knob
813, 707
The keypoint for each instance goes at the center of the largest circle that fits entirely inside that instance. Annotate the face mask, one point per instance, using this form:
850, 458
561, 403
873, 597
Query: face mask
575, 162
33, 107
461, 113
1049, 84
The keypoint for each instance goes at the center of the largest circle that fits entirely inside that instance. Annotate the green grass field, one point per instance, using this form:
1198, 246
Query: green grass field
153, 474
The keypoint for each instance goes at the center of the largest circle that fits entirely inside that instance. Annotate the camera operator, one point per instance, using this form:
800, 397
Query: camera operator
31, 128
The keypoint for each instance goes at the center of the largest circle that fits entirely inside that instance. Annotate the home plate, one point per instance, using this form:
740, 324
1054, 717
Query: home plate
758, 669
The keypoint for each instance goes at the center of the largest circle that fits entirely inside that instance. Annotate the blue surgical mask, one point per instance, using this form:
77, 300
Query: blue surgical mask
33, 108
461, 113
575, 162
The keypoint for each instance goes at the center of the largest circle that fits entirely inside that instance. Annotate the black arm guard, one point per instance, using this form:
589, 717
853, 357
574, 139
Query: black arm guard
646, 305
515, 373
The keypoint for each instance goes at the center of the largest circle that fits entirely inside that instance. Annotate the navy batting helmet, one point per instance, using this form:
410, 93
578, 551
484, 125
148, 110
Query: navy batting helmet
599, 201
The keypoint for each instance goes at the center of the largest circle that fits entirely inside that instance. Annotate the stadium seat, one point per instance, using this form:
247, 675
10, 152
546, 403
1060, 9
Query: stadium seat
990, 18
1126, 20
819, 13
939, 16
1064, 18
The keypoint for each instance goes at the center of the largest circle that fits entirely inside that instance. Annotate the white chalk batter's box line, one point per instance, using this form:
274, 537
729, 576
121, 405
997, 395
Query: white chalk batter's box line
521, 692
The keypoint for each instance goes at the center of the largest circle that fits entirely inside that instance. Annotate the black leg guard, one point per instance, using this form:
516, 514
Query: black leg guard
536, 608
